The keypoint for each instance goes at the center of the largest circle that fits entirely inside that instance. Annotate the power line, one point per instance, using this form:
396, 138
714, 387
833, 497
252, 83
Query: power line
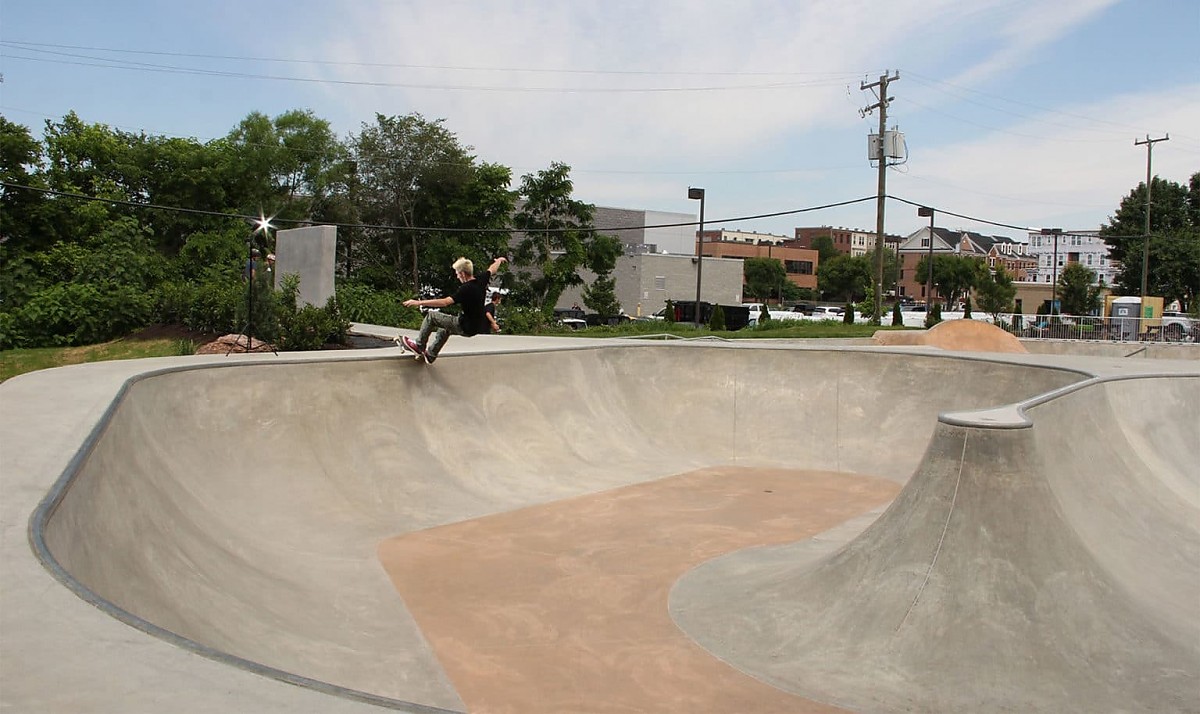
423, 229
393, 65
355, 157
107, 63
613, 229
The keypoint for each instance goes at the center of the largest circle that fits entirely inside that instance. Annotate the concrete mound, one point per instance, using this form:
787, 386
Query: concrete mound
958, 335
1046, 569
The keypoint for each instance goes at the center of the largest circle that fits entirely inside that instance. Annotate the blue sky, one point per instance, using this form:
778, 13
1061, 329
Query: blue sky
1017, 111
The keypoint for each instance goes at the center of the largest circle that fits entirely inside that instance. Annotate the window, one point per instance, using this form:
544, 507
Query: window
660, 282
924, 242
798, 267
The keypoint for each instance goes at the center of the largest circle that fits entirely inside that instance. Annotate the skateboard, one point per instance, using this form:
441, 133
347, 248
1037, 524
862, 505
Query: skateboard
410, 346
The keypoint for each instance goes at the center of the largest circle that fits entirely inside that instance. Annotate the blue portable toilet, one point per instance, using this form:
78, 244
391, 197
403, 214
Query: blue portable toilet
1126, 312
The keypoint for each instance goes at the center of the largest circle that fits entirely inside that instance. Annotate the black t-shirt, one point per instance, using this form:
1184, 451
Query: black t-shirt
469, 298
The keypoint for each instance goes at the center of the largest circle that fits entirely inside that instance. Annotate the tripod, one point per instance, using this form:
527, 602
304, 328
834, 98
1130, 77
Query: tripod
251, 277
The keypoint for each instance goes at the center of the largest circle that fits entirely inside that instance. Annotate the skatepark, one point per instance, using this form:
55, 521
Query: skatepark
574, 525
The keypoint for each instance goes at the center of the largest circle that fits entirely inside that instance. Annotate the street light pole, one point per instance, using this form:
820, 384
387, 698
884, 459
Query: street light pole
1056, 232
698, 193
927, 211
1146, 241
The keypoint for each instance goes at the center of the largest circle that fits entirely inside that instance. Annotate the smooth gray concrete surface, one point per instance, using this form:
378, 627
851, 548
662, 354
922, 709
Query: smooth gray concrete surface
236, 502
308, 253
1053, 568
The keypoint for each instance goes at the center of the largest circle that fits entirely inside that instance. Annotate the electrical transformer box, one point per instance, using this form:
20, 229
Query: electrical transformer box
893, 145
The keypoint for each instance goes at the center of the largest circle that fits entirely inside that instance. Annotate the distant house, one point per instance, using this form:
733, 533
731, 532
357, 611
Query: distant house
997, 251
1084, 247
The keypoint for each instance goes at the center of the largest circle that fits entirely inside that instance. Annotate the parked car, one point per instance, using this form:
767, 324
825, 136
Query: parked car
1177, 326
776, 313
828, 312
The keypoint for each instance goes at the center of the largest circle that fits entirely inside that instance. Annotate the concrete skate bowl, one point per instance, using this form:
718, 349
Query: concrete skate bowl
239, 511
1050, 568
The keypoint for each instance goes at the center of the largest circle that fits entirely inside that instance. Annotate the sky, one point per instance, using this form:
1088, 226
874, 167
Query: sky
1018, 112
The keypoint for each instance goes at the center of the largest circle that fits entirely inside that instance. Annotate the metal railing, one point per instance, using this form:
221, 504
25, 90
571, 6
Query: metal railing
1107, 329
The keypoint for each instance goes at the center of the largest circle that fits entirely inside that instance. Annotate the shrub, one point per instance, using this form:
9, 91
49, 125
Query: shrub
669, 312
897, 316
525, 320
716, 322
934, 316
79, 313
362, 303
304, 328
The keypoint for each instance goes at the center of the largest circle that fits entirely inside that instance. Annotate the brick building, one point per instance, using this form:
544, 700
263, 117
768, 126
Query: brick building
799, 262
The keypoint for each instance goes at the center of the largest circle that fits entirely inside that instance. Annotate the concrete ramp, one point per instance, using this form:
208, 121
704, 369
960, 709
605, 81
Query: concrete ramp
1049, 567
238, 510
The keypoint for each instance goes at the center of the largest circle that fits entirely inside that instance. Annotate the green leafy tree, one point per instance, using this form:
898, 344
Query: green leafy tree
953, 275
1077, 290
601, 295
398, 160
845, 276
763, 277
1174, 268
996, 293
825, 249
556, 237
21, 222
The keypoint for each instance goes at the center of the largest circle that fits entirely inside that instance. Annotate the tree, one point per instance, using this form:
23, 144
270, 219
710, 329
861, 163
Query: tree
845, 276
763, 277
825, 249
557, 237
996, 293
398, 159
20, 209
601, 295
1077, 291
953, 275
1174, 270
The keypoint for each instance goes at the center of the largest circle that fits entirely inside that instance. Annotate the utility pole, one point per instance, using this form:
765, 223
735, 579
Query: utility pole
1149, 143
881, 191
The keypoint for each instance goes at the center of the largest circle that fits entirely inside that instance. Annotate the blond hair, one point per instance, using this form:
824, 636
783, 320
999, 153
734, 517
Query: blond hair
463, 266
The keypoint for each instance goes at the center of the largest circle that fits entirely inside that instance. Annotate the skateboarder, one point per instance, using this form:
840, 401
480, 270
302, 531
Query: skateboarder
469, 298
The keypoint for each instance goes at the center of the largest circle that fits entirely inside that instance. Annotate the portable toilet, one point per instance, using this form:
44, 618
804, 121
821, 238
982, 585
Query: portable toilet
1125, 315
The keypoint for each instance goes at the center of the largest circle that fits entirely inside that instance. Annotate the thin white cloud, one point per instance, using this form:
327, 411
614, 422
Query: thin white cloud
1032, 176
1027, 28
823, 49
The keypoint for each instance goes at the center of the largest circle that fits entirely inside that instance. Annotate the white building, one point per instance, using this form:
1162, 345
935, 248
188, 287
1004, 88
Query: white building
1084, 247
726, 235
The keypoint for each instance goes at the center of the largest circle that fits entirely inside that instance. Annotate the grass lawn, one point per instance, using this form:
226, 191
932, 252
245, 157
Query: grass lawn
170, 342
148, 343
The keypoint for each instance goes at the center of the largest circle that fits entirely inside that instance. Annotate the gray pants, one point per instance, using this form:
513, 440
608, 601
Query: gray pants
442, 326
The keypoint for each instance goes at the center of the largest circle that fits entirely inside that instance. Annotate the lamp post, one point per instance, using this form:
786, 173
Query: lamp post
260, 224
1056, 232
927, 211
698, 194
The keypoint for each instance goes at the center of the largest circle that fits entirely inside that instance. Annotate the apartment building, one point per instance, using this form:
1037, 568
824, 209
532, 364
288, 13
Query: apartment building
850, 241
1084, 247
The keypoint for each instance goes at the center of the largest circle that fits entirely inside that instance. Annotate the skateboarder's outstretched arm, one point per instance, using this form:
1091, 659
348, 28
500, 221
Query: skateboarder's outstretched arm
495, 266
432, 302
